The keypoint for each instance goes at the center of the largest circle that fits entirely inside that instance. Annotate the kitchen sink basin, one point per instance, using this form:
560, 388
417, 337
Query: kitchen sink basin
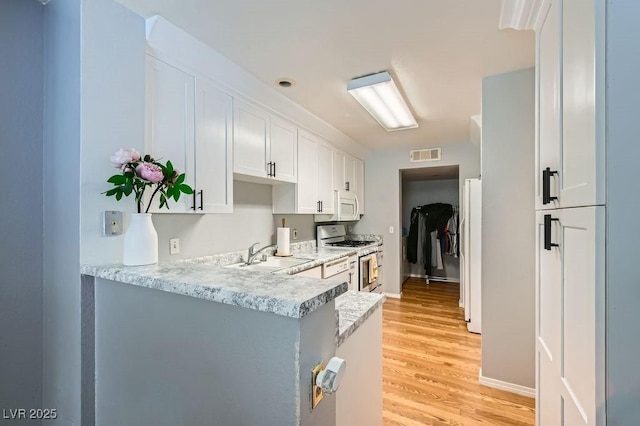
271, 264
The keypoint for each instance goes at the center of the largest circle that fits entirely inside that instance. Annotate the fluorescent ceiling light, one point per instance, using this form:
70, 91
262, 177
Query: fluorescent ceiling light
379, 95
520, 14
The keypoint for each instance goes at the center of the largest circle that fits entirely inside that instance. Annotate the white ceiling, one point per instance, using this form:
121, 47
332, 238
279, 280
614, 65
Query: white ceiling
437, 50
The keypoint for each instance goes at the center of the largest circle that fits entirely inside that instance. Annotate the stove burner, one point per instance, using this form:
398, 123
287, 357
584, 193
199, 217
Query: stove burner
351, 243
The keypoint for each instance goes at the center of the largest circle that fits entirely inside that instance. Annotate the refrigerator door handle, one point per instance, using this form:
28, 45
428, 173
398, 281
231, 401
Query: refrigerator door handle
547, 232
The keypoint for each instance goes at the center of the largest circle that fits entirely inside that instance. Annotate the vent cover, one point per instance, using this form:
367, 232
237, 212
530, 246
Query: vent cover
431, 154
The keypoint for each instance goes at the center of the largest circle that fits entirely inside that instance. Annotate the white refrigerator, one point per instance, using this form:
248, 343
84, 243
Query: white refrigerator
471, 253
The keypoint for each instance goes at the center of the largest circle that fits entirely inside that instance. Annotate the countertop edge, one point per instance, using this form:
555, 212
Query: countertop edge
360, 307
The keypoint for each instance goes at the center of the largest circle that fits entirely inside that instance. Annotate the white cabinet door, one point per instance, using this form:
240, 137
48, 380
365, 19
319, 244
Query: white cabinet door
359, 184
251, 138
214, 174
339, 159
170, 121
326, 194
284, 150
349, 175
582, 172
307, 200
570, 317
548, 108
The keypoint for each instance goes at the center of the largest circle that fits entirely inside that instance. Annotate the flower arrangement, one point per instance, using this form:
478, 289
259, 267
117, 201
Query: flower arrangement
138, 173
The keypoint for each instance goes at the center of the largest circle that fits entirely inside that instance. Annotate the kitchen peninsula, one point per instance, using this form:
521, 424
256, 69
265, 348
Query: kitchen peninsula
189, 341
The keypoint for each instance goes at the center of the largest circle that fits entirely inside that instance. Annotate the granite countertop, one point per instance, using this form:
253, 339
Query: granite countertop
354, 308
280, 294
276, 292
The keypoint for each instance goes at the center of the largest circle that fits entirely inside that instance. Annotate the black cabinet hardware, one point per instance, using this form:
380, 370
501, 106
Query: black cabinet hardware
547, 232
546, 185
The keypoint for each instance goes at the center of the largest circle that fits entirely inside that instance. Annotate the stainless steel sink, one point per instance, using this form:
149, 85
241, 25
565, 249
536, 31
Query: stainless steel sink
272, 264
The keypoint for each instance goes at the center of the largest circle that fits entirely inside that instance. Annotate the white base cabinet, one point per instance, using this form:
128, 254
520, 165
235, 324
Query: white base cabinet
570, 307
189, 123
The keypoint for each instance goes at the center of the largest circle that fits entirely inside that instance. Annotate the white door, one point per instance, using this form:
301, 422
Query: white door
326, 194
570, 317
284, 150
548, 108
214, 121
251, 138
582, 173
170, 123
307, 200
473, 255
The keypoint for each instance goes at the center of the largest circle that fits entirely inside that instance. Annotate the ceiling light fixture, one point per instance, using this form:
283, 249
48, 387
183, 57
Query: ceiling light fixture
520, 14
379, 95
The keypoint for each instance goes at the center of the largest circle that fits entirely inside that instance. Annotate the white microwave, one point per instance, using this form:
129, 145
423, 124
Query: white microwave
347, 209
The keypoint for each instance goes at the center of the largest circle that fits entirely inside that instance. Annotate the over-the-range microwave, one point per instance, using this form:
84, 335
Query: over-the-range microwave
347, 208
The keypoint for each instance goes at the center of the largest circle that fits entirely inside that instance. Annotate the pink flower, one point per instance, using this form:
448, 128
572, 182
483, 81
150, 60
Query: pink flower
150, 172
124, 156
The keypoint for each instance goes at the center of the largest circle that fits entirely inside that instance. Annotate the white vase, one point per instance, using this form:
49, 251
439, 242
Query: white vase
140, 241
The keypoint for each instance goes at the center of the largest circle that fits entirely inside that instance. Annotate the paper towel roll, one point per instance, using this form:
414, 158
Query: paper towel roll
283, 242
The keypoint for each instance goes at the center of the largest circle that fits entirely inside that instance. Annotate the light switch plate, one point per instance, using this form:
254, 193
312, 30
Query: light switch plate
294, 234
111, 223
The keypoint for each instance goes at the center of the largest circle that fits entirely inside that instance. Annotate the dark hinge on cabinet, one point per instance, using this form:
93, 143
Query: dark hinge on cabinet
547, 232
546, 185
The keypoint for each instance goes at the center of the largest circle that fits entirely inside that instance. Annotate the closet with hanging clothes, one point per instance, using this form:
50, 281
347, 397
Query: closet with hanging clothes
431, 224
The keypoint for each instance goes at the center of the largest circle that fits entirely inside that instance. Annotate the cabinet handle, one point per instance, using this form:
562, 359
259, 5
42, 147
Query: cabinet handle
193, 207
346, 186
201, 199
274, 169
547, 232
269, 168
546, 185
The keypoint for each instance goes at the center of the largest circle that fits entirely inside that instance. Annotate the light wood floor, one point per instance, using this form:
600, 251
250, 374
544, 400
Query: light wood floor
431, 364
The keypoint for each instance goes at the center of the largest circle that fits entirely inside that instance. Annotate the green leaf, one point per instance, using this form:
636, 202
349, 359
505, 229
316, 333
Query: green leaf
127, 189
119, 195
185, 188
180, 179
163, 201
147, 158
117, 179
176, 195
170, 168
111, 192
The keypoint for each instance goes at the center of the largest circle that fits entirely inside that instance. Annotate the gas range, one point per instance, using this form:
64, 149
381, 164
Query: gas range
334, 236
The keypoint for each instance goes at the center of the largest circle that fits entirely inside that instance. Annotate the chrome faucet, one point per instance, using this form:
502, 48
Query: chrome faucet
252, 254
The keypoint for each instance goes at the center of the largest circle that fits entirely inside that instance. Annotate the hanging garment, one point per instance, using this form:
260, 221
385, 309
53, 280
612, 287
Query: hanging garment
436, 217
412, 239
436, 251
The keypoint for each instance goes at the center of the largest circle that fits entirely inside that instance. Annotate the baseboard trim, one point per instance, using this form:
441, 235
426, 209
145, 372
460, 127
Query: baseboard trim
393, 295
506, 386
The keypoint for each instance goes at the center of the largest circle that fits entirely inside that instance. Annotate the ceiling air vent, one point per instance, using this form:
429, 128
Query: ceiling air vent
430, 154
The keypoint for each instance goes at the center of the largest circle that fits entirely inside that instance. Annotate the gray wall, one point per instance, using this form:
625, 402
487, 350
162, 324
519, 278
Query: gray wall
168, 359
421, 192
383, 197
21, 107
62, 210
508, 231
623, 233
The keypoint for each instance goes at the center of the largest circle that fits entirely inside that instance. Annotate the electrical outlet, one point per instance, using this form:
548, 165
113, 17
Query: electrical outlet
174, 246
316, 391
350, 229
294, 234
391, 230
111, 223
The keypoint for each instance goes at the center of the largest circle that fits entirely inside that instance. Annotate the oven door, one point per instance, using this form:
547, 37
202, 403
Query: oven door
366, 282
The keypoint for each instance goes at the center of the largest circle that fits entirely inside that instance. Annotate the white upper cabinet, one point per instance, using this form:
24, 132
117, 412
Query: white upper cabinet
284, 150
344, 172
326, 194
189, 123
359, 184
170, 122
313, 192
265, 146
251, 140
570, 142
214, 150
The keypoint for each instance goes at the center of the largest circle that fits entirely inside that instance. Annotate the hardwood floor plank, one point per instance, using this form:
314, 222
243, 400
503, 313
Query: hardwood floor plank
431, 364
